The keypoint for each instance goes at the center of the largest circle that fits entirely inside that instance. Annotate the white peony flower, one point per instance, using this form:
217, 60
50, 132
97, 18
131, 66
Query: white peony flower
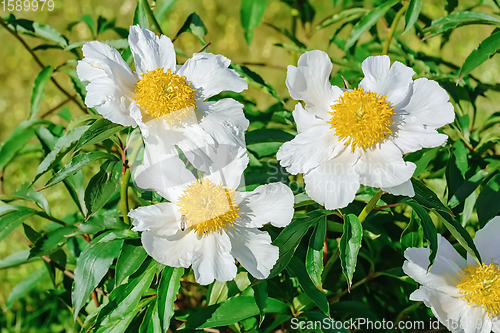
352, 137
162, 94
208, 224
462, 294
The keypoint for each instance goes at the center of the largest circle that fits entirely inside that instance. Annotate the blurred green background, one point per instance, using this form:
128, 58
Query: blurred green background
222, 19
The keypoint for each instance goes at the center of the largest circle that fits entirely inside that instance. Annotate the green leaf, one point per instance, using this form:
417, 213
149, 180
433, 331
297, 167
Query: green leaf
77, 163
262, 149
131, 258
426, 197
15, 259
459, 19
267, 134
26, 285
57, 153
301, 200
77, 83
26, 192
467, 188
483, 52
251, 12
125, 297
261, 295
17, 140
194, 25
461, 235
451, 5
109, 219
102, 186
430, 232
487, 202
346, 15
349, 246
90, 23
91, 267
296, 268
38, 88
413, 235
411, 15
167, 294
97, 132
51, 242
314, 257
289, 239
38, 30
10, 221
232, 311
246, 72
368, 21
151, 323
140, 15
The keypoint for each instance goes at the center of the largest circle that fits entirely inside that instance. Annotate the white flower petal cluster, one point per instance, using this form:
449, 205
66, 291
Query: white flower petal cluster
351, 137
207, 224
162, 94
457, 289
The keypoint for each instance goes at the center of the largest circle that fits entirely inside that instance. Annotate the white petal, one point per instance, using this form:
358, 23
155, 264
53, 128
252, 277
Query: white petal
224, 121
210, 75
391, 81
309, 81
496, 324
444, 274
475, 320
267, 203
405, 189
162, 219
305, 120
160, 143
429, 104
168, 177
213, 259
447, 309
253, 249
174, 251
486, 241
309, 149
197, 145
334, 183
150, 51
111, 83
413, 136
228, 165
383, 166
427, 110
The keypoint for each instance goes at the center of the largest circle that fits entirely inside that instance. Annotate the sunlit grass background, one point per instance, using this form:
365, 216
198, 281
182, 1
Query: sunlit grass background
18, 71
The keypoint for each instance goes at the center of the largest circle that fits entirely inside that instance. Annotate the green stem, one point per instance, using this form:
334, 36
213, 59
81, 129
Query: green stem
151, 16
394, 25
369, 206
124, 195
369, 277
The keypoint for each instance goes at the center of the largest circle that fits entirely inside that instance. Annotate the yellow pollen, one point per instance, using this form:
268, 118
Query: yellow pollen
361, 118
165, 94
207, 207
480, 284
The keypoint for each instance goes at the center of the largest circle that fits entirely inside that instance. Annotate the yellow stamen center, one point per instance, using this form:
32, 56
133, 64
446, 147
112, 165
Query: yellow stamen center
361, 118
207, 207
480, 284
166, 94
